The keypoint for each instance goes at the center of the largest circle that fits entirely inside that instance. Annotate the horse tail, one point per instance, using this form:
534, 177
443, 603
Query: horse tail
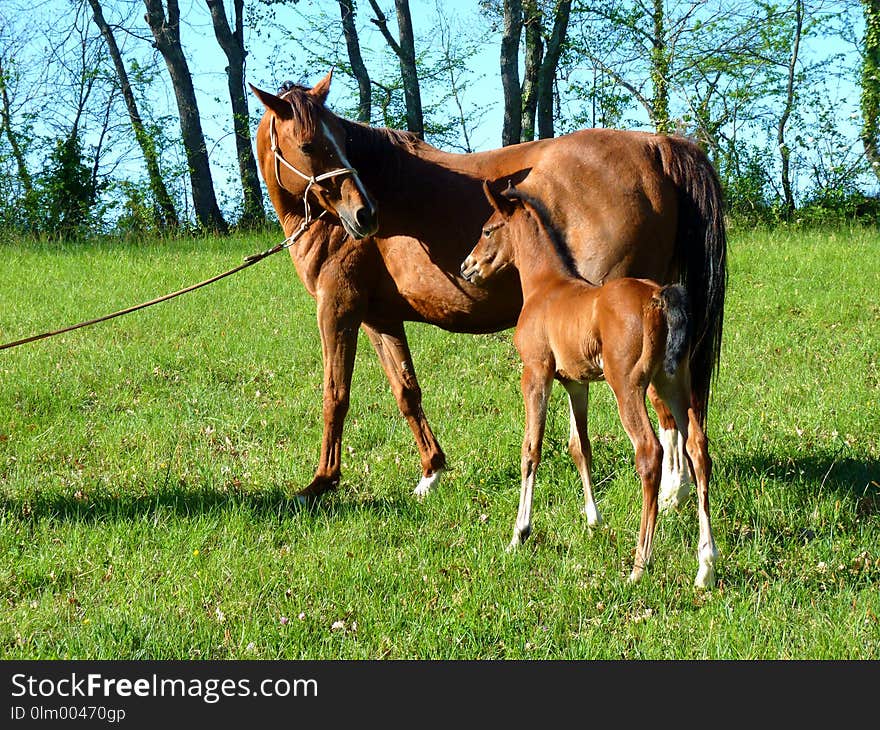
701, 257
674, 302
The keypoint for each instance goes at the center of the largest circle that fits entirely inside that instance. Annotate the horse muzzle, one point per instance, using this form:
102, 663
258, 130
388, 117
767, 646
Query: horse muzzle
470, 271
360, 222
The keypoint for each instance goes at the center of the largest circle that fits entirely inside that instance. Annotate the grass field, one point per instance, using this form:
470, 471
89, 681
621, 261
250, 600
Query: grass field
147, 467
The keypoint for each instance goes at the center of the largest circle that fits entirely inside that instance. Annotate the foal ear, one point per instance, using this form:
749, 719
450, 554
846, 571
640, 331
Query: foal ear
498, 201
275, 104
322, 88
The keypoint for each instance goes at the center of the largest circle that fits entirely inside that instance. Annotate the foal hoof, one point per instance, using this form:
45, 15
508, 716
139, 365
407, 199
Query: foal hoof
705, 577
674, 490
427, 484
319, 486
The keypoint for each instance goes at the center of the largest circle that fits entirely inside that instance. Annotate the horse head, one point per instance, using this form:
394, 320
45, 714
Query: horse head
307, 142
493, 252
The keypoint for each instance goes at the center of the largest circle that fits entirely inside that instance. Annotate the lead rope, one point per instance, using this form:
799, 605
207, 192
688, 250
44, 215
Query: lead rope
250, 260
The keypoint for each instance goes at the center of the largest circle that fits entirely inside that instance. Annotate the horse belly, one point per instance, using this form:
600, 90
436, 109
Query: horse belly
434, 295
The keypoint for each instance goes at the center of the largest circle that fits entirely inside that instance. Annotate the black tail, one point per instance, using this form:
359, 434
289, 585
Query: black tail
675, 307
701, 254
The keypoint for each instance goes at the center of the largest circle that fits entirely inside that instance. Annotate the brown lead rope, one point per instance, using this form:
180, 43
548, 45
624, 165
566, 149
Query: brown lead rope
249, 261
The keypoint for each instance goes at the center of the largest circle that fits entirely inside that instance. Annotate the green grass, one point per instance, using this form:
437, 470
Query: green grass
147, 467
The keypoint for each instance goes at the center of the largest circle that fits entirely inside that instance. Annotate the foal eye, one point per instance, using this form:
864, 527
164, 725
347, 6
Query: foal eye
307, 148
487, 233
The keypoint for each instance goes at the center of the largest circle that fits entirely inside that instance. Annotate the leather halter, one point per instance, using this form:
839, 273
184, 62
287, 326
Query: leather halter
310, 179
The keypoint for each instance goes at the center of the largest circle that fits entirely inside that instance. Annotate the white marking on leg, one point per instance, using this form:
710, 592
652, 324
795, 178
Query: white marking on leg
708, 553
523, 525
427, 484
675, 479
594, 519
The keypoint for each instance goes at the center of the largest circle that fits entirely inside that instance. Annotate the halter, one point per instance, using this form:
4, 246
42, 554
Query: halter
310, 179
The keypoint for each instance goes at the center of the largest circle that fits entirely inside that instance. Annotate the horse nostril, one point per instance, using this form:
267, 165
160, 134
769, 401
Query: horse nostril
363, 216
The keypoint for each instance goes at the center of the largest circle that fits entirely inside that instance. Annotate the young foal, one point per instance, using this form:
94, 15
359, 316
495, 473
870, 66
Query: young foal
629, 332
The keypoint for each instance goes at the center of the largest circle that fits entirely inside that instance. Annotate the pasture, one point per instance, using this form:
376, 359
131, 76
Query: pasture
147, 467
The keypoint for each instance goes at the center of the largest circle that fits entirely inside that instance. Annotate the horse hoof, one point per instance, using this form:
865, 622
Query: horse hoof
674, 490
705, 579
594, 518
636, 575
319, 486
427, 484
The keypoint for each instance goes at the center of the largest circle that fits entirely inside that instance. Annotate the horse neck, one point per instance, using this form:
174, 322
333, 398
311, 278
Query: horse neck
535, 255
405, 177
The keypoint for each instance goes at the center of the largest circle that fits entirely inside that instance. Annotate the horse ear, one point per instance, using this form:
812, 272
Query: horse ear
275, 104
498, 201
322, 88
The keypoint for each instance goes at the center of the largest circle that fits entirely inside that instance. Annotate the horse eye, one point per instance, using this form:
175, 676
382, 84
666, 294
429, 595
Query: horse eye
307, 148
487, 233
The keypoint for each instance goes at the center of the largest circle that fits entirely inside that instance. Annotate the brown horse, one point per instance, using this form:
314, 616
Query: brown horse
403, 215
632, 333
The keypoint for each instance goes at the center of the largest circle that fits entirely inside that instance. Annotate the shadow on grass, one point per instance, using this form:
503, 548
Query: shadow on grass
829, 473
273, 504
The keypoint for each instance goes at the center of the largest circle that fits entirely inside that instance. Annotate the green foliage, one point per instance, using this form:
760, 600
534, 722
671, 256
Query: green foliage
69, 191
147, 467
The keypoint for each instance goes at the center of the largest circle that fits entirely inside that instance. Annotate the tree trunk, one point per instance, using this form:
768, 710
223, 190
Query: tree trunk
406, 53
660, 71
547, 75
165, 212
232, 43
166, 32
511, 131
534, 29
784, 151
5, 119
358, 68
871, 85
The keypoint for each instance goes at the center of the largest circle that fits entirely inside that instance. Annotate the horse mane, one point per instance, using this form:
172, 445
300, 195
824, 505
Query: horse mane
374, 148
542, 215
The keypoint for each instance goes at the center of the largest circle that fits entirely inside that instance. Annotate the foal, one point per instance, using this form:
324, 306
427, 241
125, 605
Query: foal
629, 332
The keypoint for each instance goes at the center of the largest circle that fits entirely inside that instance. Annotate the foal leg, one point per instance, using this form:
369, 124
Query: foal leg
393, 351
634, 417
675, 480
579, 446
536, 384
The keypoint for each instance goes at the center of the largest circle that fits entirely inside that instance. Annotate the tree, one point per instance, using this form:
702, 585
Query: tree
787, 105
165, 213
511, 132
547, 71
358, 67
870, 94
232, 43
406, 53
166, 32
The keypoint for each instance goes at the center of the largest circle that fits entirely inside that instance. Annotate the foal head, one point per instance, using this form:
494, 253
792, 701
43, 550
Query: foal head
308, 143
494, 251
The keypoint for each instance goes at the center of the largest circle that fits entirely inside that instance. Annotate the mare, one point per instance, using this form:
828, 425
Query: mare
629, 332
401, 215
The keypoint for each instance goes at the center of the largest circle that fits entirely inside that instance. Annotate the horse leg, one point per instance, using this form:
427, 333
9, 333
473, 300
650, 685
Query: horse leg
579, 445
338, 346
675, 480
676, 392
634, 417
393, 352
701, 463
536, 383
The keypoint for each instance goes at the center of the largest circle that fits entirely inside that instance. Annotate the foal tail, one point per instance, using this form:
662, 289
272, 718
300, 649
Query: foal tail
701, 257
674, 302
